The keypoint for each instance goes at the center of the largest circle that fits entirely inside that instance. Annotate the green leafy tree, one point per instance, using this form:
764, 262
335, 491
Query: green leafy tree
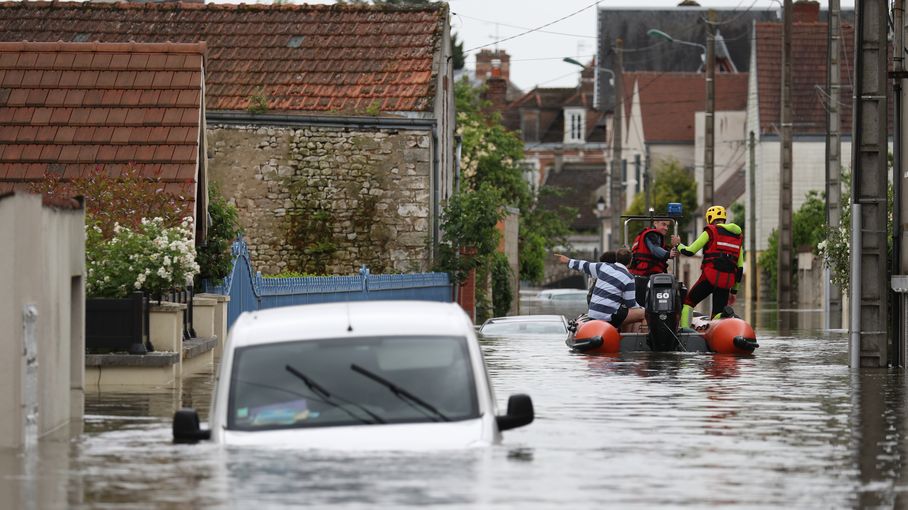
123, 199
490, 160
836, 248
808, 230
671, 183
458, 60
738, 215
215, 256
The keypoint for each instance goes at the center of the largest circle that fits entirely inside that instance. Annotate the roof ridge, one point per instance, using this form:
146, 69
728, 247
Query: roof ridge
174, 6
104, 47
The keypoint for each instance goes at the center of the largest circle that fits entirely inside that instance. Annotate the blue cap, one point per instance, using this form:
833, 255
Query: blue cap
674, 208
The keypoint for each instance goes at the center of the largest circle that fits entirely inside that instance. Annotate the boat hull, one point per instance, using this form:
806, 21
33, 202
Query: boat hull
723, 336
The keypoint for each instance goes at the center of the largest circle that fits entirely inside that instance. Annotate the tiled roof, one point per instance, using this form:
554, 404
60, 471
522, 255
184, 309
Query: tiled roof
730, 190
808, 91
669, 101
551, 103
326, 58
67, 108
580, 183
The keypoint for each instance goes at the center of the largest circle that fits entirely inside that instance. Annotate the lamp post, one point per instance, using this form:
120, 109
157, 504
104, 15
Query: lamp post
600, 215
709, 56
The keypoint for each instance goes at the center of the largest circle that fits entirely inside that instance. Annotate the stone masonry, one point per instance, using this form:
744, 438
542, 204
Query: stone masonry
324, 200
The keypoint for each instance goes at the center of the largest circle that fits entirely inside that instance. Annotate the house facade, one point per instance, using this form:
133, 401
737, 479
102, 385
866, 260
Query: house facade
330, 127
809, 102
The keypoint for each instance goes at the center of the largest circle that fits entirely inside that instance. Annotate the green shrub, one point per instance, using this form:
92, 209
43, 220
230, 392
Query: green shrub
215, 256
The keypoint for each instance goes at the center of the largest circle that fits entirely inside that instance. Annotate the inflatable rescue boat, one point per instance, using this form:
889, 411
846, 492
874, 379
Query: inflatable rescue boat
727, 334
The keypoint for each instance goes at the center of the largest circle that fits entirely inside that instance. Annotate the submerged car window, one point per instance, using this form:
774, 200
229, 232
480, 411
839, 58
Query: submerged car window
377, 380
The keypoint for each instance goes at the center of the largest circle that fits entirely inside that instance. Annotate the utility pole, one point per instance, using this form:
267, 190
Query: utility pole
709, 131
616, 191
753, 288
869, 259
833, 295
785, 254
900, 184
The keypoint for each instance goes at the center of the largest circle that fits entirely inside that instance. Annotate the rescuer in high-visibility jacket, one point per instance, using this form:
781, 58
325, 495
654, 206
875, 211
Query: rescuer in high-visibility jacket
723, 263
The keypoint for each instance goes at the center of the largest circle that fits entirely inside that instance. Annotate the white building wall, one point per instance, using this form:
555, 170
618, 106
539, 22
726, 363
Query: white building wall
45, 261
730, 144
808, 173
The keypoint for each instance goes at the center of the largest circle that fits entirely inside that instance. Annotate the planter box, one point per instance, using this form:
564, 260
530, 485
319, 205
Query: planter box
115, 324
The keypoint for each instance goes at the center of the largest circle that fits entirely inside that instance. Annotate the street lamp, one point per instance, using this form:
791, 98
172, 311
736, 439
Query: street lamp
658, 34
611, 80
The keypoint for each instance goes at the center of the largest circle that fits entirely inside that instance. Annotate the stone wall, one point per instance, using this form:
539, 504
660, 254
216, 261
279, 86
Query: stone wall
324, 200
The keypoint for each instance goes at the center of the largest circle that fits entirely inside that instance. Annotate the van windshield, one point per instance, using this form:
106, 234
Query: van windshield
335, 382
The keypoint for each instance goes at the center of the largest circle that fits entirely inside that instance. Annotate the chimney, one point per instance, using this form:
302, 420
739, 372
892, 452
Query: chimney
805, 11
496, 92
484, 64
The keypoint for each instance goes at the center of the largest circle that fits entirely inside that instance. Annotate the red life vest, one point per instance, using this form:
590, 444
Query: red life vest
644, 262
720, 256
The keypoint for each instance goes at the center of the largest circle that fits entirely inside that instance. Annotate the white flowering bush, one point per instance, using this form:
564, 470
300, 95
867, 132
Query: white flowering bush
151, 258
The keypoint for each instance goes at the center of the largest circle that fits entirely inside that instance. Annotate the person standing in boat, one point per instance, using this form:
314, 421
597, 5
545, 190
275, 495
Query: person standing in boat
650, 256
723, 263
613, 298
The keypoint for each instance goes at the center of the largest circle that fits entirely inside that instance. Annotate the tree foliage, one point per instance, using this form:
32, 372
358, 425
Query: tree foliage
458, 59
492, 181
215, 257
808, 230
123, 199
671, 183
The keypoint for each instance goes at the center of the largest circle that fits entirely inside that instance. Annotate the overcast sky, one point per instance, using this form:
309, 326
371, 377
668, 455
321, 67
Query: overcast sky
536, 58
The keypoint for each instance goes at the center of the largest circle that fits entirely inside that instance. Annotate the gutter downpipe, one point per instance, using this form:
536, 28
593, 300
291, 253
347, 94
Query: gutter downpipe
897, 301
854, 347
436, 195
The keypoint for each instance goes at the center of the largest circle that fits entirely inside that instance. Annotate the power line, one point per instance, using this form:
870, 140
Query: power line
534, 29
523, 28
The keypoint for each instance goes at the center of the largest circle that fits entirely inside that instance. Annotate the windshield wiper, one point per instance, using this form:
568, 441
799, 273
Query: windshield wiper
320, 390
398, 391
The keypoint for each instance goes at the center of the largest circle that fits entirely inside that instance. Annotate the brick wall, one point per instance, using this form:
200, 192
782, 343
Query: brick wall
327, 199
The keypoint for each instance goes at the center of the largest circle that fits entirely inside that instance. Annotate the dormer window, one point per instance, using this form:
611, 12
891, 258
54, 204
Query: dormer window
574, 125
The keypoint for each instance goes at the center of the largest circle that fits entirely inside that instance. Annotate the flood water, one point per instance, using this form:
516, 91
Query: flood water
792, 426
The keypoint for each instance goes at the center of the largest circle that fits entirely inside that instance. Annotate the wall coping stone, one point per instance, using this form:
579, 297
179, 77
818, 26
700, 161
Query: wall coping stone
203, 301
221, 298
166, 306
152, 359
198, 346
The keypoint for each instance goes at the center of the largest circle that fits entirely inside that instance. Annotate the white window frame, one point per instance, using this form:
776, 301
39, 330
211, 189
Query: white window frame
575, 125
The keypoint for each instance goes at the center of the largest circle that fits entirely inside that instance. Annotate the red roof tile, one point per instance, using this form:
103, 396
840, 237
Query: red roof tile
669, 101
808, 91
289, 52
68, 109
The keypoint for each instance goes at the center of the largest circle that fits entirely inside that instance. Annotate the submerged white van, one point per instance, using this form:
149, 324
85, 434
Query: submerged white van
362, 375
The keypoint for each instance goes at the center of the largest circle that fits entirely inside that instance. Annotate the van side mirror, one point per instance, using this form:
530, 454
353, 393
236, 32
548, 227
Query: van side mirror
520, 413
186, 427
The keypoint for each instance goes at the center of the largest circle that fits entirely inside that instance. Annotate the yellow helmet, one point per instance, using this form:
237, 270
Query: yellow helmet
714, 213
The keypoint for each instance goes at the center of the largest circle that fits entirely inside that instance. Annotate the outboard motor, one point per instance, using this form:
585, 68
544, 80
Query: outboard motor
663, 304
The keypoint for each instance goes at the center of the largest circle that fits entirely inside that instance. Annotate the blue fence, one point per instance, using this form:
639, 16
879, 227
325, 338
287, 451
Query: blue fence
249, 291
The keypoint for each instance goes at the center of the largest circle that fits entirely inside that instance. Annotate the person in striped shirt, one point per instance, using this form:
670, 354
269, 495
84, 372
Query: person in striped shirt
614, 298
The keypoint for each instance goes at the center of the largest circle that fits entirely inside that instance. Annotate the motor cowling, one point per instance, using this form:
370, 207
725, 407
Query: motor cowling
663, 306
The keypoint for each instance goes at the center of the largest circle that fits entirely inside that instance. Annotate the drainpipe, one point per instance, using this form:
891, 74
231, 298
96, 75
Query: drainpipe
436, 195
854, 348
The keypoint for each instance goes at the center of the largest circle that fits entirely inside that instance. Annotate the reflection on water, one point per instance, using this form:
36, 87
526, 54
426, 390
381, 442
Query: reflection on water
791, 426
